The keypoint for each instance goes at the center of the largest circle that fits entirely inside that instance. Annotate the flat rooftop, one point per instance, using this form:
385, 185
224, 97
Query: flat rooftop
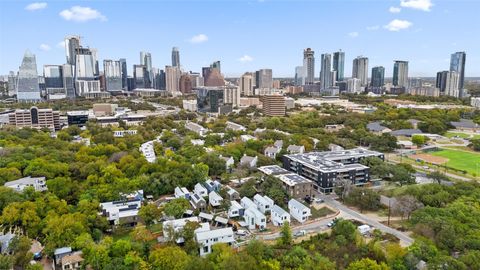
293, 179
273, 170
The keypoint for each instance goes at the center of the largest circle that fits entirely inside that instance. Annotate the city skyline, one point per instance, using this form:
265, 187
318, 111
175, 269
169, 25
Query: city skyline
99, 25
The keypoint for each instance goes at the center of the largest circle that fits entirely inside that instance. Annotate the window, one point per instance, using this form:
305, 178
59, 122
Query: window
205, 249
215, 239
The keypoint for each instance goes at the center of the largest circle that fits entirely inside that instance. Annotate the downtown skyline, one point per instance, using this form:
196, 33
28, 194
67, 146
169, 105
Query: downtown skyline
245, 40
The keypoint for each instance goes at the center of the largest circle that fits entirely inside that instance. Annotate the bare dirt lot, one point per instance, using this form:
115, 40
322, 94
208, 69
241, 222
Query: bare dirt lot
430, 159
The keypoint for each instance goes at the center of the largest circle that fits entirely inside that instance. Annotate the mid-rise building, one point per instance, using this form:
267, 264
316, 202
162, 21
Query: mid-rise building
35, 118
339, 65
360, 70
172, 79
309, 65
53, 75
185, 84
246, 84
28, 89
457, 64
264, 78
354, 85
231, 95
400, 74
273, 105
378, 76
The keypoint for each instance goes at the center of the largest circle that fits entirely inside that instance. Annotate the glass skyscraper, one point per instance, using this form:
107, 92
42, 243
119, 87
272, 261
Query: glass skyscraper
175, 57
457, 64
28, 89
113, 75
309, 66
339, 65
326, 71
400, 74
378, 76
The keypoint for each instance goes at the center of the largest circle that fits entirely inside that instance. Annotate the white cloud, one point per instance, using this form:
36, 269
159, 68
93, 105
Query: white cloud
373, 27
200, 38
397, 25
45, 47
424, 5
82, 14
246, 58
394, 9
61, 45
36, 6
353, 34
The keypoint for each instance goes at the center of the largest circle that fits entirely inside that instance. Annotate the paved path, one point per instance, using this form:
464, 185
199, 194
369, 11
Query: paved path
404, 238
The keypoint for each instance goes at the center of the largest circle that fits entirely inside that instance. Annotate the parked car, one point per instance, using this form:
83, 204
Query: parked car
241, 232
300, 233
319, 200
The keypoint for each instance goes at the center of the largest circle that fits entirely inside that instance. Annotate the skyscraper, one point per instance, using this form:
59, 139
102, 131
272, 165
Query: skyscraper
53, 75
84, 64
452, 84
112, 71
141, 76
12, 83
400, 73
185, 84
27, 80
441, 82
217, 65
172, 79
175, 57
246, 84
326, 71
360, 70
123, 66
309, 65
339, 65
299, 77
264, 78
72, 43
146, 60
378, 76
457, 64
68, 81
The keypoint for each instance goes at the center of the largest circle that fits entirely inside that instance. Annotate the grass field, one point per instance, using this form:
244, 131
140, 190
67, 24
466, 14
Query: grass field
461, 160
460, 135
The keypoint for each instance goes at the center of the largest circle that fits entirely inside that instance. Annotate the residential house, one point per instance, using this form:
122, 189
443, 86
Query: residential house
254, 218
298, 210
377, 128
250, 162
235, 127
200, 190
278, 144
232, 194
206, 239
214, 199
196, 128
405, 132
176, 226
246, 138
212, 185
122, 212
247, 203
272, 151
264, 203
229, 162
235, 210
72, 261
279, 216
205, 217
182, 192
334, 128
465, 125
59, 253
38, 183
5, 240
198, 202
296, 149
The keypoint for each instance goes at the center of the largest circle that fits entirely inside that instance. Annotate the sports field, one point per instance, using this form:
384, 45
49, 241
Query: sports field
461, 160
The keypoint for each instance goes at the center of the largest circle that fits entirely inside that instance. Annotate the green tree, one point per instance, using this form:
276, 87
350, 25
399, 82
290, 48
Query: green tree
176, 207
419, 140
170, 257
364, 198
367, 264
149, 213
285, 235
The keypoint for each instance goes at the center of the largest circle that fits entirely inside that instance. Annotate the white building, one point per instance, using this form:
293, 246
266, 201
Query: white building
354, 85
235, 127
38, 183
263, 203
214, 199
235, 210
272, 151
206, 239
254, 218
190, 105
148, 151
182, 192
247, 203
229, 162
200, 190
247, 137
121, 212
296, 149
196, 128
475, 102
299, 211
248, 161
279, 216
122, 133
177, 225
231, 95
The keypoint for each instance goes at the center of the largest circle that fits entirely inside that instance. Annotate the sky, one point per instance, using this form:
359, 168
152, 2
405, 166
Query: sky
247, 35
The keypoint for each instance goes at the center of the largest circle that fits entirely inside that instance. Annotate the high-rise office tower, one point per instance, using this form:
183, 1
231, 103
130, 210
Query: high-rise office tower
246, 84
172, 78
264, 78
326, 71
160, 80
84, 64
12, 83
273, 105
360, 70
146, 60
217, 65
452, 84
309, 65
27, 80
68, 81
231, 95
354, 85
400, 73
378, 76
441, 82
175, 57
141, 76
112, 70
299, 77
123, 66
53, 75
457, 64
72, 43
339, 65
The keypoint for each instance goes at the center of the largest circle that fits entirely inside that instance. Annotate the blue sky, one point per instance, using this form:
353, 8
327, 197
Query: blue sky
247, 35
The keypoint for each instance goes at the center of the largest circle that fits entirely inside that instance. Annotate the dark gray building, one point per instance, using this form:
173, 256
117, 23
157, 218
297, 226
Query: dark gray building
378, 76
339, 65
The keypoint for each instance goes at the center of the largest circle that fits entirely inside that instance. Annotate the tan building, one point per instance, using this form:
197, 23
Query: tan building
102, 109
246, 84
231, 95
249, 101
276, 84
214, 78
186, 84
35, 118
273, 105
295, 90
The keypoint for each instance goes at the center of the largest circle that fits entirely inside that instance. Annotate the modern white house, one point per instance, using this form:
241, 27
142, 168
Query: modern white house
264, 203
200, 190
198, 202
177, 225
279, 216
38, 183
148, 151
247, 137
235, 210
272, 151
245, 202
206, 239
214, 199
299, 211
196, 128
254, 218
229, 162
235, 127
121, 212
296, 149
250, 162
122, 133
182, 192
